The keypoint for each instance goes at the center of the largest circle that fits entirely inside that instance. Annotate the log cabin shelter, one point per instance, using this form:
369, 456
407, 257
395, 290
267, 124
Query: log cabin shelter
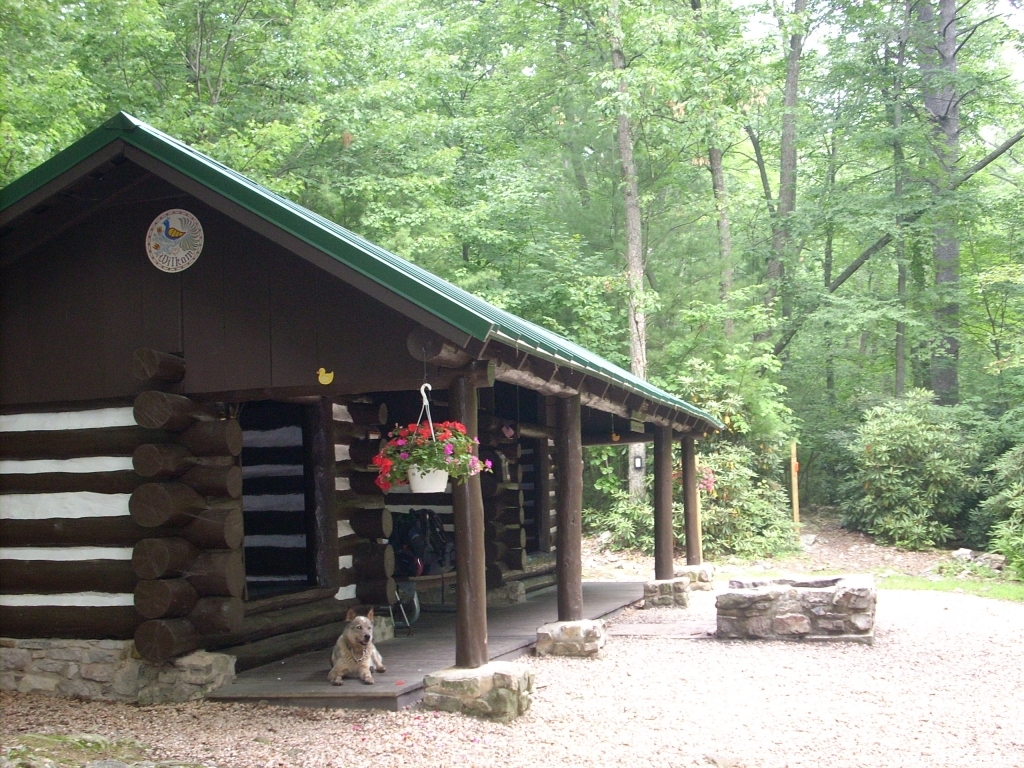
195, 374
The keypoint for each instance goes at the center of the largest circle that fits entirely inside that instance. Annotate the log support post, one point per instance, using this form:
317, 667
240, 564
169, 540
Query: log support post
569, 540
322, 526
664, 539
691, 513
468, 509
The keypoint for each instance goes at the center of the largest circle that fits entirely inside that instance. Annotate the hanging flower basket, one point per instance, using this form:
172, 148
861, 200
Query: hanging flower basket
431, 481
444, 446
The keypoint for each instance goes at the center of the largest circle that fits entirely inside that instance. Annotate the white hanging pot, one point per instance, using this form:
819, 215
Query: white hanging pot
431, 481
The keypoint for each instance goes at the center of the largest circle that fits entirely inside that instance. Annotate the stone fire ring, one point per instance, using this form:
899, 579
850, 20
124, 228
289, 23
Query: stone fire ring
835, 608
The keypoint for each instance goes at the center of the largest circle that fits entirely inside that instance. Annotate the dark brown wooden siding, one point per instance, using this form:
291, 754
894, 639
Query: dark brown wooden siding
247, 315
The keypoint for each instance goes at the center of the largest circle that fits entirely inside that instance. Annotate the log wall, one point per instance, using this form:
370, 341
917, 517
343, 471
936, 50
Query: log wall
366, 560
72, 549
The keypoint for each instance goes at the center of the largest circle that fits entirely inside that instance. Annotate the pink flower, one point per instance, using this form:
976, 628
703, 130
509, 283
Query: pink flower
487, 463
400, 442
404, 455
448, 449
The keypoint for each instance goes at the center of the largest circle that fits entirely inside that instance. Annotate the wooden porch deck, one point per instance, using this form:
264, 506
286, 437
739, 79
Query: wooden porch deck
301, 681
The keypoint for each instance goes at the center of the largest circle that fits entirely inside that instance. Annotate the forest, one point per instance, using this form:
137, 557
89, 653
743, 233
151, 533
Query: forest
804, 216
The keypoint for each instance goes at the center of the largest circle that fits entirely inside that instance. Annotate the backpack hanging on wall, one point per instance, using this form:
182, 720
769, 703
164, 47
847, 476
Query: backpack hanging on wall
440, 551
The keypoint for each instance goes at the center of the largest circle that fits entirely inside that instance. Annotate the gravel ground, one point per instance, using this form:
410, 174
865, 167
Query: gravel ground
942, 686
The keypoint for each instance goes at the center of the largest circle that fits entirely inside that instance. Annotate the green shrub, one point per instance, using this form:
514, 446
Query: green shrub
1005, 507
628, 522
911, 474
745, 514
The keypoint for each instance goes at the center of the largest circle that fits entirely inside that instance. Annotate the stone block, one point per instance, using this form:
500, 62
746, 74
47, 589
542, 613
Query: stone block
201, 668
728, 627
571, 638
80, 689
507, 594
48, 665
35, 645
39, 683
101, 673
125, 683
667, 592
758, 626
500, 690
862, 622
68, 654
791, 624
701, 576
14, 658
742, 600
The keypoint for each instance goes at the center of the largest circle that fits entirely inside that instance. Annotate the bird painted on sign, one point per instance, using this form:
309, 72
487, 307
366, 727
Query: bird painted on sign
324, 376
184, 239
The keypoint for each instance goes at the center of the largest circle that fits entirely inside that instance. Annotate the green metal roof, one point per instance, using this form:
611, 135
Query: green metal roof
451, 304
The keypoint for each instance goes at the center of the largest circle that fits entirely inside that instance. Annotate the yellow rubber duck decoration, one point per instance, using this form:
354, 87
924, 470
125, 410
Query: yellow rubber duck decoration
324, 376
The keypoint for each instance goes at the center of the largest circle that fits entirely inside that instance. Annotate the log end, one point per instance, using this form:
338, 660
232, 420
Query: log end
162, 639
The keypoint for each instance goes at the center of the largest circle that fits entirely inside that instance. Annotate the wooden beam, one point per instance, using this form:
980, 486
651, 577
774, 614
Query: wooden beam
153, 365
691, 514
159, 504
76, 443
118, 481
51, 576
664, 537
570, 510
318, 455
165, 598
162, 410
542, 470
159, 640
468, 509
116, 622
427, 346
163, 558
216, 527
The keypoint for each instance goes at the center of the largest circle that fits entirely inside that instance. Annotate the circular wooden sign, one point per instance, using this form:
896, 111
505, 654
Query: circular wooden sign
174, 240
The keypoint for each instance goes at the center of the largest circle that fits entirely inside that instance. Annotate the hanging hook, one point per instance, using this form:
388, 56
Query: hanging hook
426, 408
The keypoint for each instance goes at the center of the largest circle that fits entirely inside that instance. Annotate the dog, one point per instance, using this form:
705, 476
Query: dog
354, 654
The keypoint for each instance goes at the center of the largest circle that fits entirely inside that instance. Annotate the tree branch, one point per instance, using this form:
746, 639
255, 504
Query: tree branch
883, 241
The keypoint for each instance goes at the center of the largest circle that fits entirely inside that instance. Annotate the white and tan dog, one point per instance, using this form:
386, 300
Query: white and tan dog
354, 654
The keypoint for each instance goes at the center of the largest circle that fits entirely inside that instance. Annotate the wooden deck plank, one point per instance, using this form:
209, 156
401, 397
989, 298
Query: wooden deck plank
301, 681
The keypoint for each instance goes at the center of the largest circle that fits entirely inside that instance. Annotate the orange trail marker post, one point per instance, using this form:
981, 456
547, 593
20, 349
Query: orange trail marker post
794, 467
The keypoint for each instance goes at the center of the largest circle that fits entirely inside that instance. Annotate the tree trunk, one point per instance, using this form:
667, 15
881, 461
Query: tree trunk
900, 350
938, 50
775, 274
634, 243
724, 233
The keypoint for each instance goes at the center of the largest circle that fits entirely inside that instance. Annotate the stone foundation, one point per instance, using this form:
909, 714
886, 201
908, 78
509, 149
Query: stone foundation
667, 592
109, 670
702, 577
571, 638
512, 593
836, 608
500, 690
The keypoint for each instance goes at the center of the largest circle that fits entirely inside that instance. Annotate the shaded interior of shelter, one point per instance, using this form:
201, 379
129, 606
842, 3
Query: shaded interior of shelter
301, 679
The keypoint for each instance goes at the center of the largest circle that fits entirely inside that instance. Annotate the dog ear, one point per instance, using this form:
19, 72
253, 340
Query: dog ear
369, 614
351, 614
